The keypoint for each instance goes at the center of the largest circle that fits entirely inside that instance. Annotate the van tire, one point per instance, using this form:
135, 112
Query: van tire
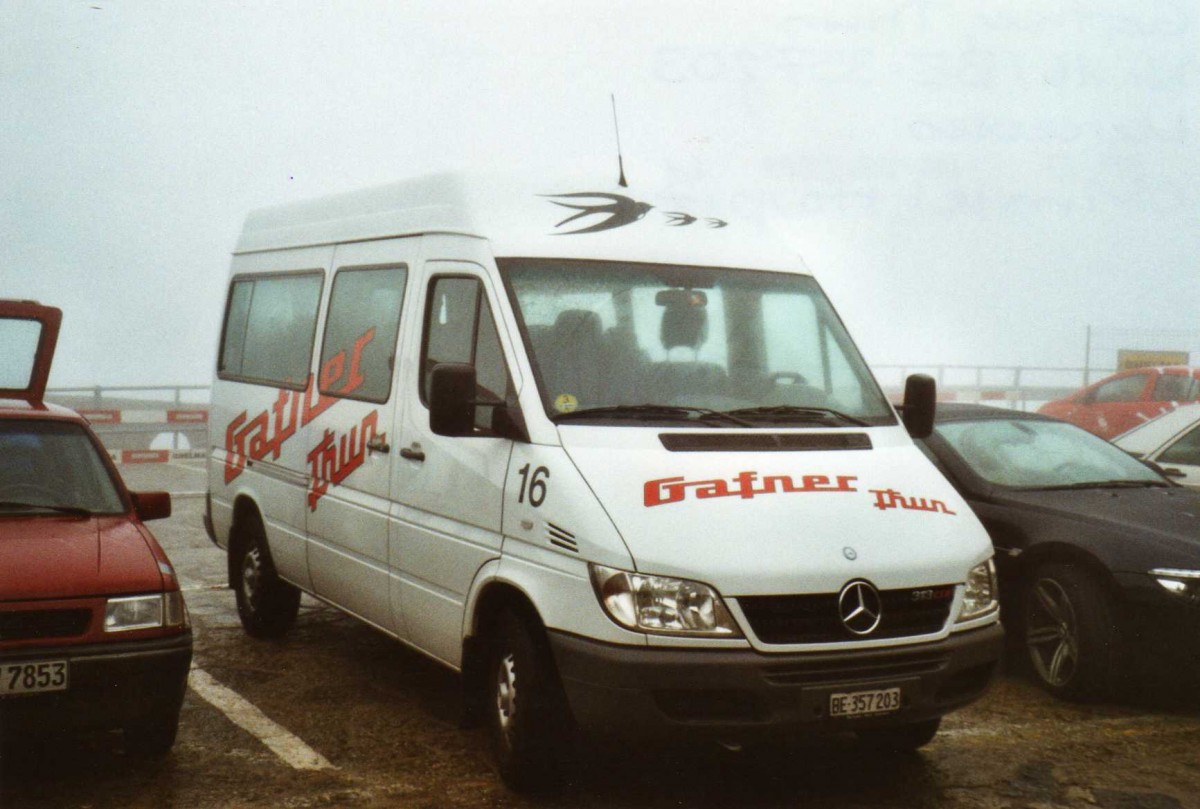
266, 604
1070, 632
526, 709
902, 738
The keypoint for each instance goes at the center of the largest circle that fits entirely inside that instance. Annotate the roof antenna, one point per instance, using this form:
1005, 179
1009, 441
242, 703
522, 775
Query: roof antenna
620, 162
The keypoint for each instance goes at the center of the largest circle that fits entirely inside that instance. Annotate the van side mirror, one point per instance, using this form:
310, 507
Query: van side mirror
920, 405
452, 399
151, 505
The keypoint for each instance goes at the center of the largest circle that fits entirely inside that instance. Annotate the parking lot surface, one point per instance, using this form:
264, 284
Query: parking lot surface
338, 715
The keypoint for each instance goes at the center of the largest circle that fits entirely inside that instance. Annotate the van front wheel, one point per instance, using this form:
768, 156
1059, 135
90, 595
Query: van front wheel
266, 604
526, 709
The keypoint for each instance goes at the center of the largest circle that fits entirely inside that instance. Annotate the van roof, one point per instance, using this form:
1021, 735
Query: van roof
554, 219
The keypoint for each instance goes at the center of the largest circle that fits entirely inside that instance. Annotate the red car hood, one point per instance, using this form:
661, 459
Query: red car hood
68, 557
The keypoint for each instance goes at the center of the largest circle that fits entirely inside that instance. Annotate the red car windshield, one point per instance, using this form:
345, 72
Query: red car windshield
52, 466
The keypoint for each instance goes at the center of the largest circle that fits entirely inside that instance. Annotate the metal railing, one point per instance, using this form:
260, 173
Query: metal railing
126, 416
1019, 386
135, 421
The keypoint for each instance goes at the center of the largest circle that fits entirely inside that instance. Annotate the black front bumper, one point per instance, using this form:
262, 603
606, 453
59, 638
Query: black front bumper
110, 685
692, 693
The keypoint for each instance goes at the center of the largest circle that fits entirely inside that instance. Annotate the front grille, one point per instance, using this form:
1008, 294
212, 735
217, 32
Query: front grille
837, 669
37, 624
814, 618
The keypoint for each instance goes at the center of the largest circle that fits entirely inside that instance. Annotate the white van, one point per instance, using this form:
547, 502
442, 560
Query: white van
614, 459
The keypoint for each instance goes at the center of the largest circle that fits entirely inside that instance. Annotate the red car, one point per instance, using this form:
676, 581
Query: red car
94, 633
1126, 399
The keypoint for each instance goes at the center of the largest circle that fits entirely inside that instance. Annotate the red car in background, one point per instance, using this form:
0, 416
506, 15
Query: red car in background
1126, 399
94, 633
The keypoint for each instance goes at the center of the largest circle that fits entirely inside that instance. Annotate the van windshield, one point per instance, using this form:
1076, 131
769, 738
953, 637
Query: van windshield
613, 342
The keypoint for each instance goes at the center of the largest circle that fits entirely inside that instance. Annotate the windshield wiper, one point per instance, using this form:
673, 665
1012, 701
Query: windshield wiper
688, 413
795, 413
1103, 484
76, 510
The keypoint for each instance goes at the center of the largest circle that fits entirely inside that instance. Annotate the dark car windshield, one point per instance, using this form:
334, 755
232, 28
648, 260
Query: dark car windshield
52, 466
615, 343
1025, 453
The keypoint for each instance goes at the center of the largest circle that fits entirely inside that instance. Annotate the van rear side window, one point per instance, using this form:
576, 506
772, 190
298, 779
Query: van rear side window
269, 326
359, 350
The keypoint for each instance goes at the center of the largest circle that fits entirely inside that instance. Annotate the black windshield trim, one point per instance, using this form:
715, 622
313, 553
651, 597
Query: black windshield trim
1085, 485
764, 442
653, 412
14, 507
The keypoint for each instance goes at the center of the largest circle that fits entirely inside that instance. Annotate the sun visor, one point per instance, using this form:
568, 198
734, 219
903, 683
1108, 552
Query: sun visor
28, 335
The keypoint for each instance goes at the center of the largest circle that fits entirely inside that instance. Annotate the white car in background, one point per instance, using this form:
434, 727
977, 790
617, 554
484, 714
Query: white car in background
1172, 441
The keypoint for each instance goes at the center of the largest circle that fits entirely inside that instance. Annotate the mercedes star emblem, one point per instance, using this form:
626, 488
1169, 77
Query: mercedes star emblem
860, 607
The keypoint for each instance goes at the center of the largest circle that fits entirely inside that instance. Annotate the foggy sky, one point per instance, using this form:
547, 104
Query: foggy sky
973, 183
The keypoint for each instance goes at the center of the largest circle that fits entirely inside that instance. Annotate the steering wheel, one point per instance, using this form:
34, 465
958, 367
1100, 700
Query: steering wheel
797, 378
20, 491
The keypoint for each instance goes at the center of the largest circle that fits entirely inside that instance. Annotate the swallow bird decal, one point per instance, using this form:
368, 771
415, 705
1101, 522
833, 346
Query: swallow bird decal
716, 223
617, 210
679, 219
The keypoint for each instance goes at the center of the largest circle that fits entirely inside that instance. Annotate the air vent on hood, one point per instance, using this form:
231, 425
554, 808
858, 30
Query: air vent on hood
561, 538
763, 442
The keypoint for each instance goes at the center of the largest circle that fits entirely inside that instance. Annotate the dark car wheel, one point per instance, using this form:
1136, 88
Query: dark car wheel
526, 709
1070, 632
266, 604
902, 738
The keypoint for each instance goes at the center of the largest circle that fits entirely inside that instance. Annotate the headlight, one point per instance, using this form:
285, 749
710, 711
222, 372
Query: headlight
661, 605
145, 612
980, 596
1183, 583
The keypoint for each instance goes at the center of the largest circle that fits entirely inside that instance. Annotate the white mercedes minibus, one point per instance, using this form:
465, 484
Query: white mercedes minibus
612, 457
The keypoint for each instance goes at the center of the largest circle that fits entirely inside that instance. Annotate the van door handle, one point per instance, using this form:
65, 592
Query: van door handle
412, 453
378, 444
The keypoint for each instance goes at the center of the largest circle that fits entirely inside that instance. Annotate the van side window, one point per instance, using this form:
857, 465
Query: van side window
269, 326
358, 353
459, 327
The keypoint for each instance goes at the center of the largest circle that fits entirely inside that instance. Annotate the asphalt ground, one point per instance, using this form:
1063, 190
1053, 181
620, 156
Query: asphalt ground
338, 715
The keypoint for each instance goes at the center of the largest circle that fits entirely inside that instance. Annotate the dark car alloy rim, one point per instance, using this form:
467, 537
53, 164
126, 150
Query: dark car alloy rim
1052, 635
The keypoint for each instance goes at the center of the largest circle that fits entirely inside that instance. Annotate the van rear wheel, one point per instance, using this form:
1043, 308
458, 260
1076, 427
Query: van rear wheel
526, 709
266, 604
